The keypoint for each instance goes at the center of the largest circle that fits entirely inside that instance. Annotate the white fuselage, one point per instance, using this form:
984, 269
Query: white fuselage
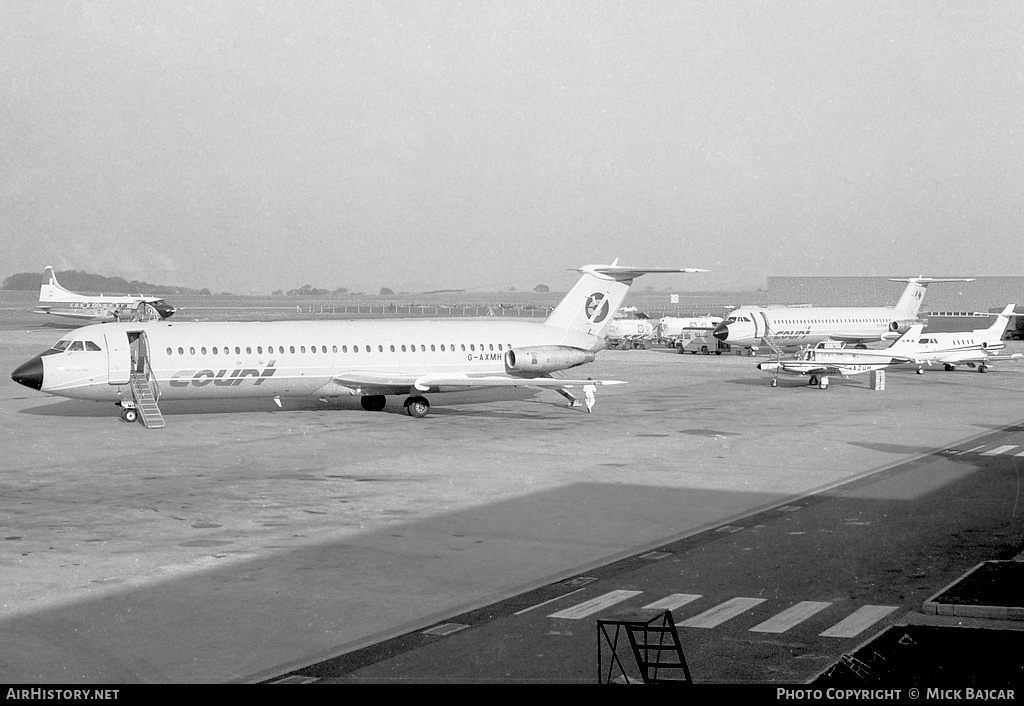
752, 327
953, 348
190, 360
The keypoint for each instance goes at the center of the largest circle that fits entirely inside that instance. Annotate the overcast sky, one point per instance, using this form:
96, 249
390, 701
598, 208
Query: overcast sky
249, 146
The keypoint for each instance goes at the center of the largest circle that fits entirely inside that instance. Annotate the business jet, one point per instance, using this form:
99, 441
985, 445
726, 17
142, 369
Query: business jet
58, 301
793, 327
135, 364
834, 358
971, 348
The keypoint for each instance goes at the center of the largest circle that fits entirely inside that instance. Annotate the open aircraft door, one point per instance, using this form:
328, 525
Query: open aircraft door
761, 327
119, 357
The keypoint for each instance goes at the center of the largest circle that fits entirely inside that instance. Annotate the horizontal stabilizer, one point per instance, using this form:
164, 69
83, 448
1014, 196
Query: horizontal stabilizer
624, 273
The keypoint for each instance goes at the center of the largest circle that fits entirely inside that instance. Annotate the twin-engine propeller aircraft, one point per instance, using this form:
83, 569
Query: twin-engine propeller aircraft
834, 358
138, 363
788, 327
971, 348
55, 299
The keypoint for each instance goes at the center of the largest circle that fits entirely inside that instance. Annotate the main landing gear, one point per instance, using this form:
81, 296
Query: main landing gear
822, 383
415, 406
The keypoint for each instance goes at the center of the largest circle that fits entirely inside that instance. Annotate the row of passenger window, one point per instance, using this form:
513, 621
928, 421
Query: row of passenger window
412, 348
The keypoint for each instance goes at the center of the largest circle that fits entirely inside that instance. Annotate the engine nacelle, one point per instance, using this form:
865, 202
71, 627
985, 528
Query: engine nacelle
545, 359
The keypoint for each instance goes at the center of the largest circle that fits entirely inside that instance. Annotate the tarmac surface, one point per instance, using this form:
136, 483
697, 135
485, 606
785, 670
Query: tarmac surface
246, 543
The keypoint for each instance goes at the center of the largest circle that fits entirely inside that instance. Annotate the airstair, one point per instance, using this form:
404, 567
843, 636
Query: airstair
146, 392
653, 642
776, 355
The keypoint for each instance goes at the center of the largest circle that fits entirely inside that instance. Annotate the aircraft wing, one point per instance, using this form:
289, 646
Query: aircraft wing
433, 380
374, 382
835, 367
973, 357
863, 339
66, 314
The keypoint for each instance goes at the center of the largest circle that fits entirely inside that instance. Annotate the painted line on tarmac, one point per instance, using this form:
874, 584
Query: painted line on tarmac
791, 617
713, 617
673, 601
859, 621
594, 605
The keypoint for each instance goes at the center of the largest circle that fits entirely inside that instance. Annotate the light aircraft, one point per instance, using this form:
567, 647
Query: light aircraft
787, 327
834, 358
136, 364
971, 348
58, 301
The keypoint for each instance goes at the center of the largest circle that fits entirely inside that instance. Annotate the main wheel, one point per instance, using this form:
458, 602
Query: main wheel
949, 367
129, 415
983, 368
813, 380
417, 407
373, 403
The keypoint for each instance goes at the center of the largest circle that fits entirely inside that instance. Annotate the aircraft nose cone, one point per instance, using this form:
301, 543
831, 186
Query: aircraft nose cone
30, 374
721, 332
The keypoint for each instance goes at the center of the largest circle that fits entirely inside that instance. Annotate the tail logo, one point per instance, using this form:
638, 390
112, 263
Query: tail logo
597, 308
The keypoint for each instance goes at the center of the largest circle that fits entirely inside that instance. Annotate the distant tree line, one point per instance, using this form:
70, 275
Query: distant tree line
87, 283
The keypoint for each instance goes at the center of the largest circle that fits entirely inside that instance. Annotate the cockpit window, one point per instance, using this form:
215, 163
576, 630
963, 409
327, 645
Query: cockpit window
77, 346
61, 345
90, 346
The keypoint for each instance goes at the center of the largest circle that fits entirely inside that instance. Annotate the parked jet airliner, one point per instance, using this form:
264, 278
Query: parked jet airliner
55, 299
787, 327
138, 363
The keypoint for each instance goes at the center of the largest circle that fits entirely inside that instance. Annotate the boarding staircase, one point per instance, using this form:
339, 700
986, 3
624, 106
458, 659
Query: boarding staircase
146, 392
654, 643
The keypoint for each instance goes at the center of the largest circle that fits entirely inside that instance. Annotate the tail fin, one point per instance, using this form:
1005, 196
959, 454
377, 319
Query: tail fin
998, 327
590, 304
910, 303
909, 338
51, 288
